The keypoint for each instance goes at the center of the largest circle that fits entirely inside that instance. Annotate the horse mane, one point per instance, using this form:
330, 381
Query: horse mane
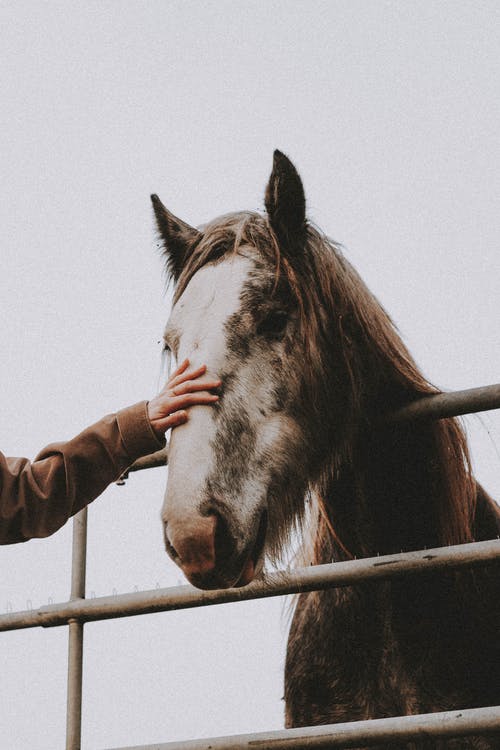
428, 496
357, 369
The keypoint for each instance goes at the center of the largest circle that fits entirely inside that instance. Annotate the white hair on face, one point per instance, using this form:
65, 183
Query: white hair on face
197, 328
199, 316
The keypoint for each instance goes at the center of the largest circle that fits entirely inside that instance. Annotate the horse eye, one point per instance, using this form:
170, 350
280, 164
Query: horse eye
273, 325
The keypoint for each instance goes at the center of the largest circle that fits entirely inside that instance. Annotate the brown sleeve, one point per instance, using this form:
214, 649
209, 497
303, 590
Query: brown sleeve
37, 498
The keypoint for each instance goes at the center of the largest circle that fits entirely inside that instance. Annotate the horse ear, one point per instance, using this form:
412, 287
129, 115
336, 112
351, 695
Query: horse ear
178, 237
286, 204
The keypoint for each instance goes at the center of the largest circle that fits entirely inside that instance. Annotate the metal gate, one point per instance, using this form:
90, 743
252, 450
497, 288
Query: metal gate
78, 610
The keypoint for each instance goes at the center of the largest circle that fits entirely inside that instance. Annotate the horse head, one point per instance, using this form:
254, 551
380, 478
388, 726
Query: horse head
238, 472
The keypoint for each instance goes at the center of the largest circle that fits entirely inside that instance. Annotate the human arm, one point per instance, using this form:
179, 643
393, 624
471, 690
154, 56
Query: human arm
37, 498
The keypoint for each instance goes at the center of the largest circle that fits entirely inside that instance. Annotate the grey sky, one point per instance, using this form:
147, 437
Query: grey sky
390, 111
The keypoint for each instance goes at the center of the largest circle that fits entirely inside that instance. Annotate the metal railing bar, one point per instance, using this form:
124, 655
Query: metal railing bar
473, 721
453, 404
438, 406
313, 578
75, 634
154, 460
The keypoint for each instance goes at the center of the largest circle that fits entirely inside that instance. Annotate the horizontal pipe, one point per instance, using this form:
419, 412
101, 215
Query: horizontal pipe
160, 458
451, 404
473, 721
313, 578
438, 406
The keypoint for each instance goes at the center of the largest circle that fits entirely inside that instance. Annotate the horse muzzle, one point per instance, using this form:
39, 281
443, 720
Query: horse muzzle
202, 546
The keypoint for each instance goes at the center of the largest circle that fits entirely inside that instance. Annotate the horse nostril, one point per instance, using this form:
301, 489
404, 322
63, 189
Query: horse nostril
168, 544
190, 542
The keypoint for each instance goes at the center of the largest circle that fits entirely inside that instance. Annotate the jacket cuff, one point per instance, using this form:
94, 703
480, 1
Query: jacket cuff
138, 437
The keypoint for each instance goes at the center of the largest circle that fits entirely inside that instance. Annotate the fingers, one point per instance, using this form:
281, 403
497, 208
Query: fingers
177, 408
191, 386
185, 375
184, 380
174, 420
184, 389
182, 367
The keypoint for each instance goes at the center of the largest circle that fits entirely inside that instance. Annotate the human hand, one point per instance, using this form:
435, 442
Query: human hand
183, 389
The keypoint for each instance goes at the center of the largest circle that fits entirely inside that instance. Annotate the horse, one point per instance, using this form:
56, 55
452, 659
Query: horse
310, 363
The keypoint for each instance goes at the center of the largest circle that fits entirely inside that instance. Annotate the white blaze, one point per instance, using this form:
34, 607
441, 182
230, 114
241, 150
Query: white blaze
199, 319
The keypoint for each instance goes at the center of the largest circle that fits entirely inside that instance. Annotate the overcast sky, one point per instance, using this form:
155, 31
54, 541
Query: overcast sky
390, 111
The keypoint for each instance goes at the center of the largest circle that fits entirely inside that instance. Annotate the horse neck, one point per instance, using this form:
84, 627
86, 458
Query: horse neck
403, 487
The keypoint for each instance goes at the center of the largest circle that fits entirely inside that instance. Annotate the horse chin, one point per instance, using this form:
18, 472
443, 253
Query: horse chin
250, 571
255, 560
218, 580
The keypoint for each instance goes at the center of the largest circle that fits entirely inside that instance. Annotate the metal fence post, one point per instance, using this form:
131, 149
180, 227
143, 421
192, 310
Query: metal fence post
75, 635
